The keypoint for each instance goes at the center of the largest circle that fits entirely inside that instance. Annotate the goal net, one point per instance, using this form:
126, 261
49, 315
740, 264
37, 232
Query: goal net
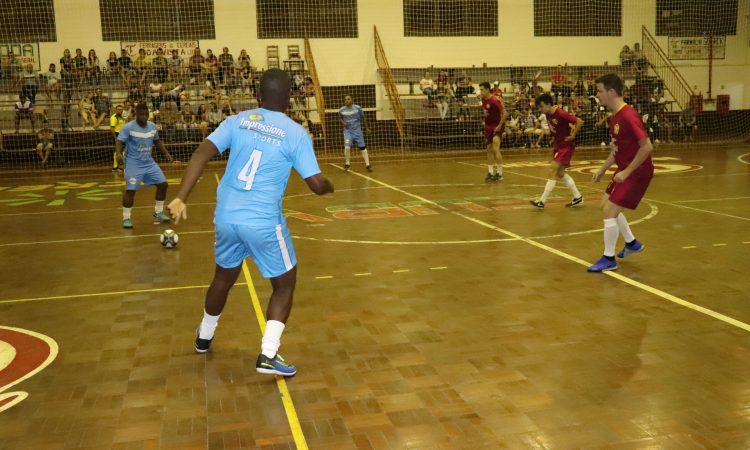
413, 66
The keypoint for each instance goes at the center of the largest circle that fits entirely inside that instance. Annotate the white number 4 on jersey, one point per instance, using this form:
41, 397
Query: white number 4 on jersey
247, 174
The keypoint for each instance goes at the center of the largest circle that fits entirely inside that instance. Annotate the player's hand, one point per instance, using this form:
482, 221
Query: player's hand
620, 177
178, 210
569, 138
613, 146
597, 176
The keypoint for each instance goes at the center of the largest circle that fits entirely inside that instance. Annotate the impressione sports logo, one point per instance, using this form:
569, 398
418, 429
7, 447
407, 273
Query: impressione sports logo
262, 128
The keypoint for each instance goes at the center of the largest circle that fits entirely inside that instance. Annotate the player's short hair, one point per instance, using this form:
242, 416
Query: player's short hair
274, 83
141, 107
485, 84
612, 81
544, 98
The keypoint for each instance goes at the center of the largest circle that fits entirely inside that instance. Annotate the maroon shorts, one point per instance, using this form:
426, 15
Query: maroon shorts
630, 192
563, 155
489, 134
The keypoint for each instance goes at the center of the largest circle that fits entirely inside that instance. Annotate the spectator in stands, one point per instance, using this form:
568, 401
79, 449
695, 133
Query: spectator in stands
156, 91
112, 65
309, 89
136, 93
45, 143
529, 124
464, 86
174, 93
66, 62
665, 125
126, 65
496, 90
159, 66
87, 111
127, 110
246, 82
227, 109
196, 65
558, 81
444, 94
542, 130
211, 66
626, 57
638, 58
93, 68
53, 82
174, 65
427, 86
142, 65
14, 66
29, 82
226, 65
4, 66
24, 111
116, 122
169, 118
243, 62
80, 63
688, 124
102, 106
189, 118
602, 126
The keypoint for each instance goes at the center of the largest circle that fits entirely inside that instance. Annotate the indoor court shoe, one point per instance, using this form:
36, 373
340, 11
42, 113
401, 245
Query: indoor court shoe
489, 178
346, 167
201, 345
537, 203
369, 168
127, 223
161, 217
274, 366
604, 264
497, 177
633, 247
574, 202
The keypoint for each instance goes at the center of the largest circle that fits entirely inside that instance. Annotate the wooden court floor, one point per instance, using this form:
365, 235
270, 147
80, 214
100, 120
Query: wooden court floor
433, 311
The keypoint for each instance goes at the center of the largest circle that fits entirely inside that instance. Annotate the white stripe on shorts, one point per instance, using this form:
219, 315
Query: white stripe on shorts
284, 250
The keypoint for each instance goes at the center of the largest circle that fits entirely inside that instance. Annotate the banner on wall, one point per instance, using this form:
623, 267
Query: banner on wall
696, 47
27, 52
185, 48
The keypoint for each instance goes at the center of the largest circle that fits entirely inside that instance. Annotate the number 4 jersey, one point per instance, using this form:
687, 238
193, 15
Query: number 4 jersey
264, 145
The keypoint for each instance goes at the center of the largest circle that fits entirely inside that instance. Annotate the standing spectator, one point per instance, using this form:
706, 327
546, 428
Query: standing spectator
24, 111
102, 106
211, 66
156, 90
688, 124
243, 62
226, 65
142, 64
45, 145
196, 66
159, 65
29, 80
602, 126
427, 86
116, 122
53, 82
86, 110
93, 68
174, 64
80, 63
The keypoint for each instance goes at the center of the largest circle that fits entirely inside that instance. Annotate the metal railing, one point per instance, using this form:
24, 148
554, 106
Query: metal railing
673, 80
319, 98
390, 86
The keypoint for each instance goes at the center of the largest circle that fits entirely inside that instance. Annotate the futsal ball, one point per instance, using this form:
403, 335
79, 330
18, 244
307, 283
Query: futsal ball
169, 239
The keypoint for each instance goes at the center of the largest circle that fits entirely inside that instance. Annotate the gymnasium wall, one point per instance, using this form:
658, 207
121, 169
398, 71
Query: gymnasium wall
352, 62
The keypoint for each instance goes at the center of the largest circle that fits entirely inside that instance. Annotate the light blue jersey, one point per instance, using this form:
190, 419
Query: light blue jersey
140, 166
265, 146
353, 117
139, 141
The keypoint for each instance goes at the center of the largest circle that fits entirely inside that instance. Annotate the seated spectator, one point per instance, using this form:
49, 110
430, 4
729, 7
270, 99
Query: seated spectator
246, 82
227, 109
136, 92
464, 86
45, 145
626, 56
665, 125
80, 63
4, 66
211, 65
542, 130
174, 92
639, 59
24, 111
156, 91
128, 113
87, 111
602, 126
159, 66
102, 106
14, 67
688, 124
112, 65
243, 62
93, 68
195, 66
528, 125
142, 65
189, 118
126, 65
427, 86
29, 82
226, 65
444, 94
170, 118
66, 62
53, 82
309, 89
174, 64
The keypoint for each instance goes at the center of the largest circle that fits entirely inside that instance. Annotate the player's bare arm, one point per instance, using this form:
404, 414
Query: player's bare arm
503, 117
118, 150
607, 164
160, 145
645, 149
575, 129
319, 184
206, 150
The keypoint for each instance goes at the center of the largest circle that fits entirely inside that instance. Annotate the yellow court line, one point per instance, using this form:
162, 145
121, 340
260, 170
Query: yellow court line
719, 245
286, 398
103, 294
401, 271
438, 268
362, 274
689, 246
617, 276
324, 277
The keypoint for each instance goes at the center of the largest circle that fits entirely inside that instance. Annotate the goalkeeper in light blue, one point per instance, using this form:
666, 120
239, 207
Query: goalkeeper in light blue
353, 119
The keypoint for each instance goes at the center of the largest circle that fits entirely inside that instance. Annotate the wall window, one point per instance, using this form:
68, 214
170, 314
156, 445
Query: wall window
173, 20
295, 19
450, 18
27, 21
696, 17
577, 18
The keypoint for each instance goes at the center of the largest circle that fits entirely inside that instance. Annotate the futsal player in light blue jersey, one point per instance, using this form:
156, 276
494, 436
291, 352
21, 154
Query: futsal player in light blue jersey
138, 137
265, 145
353, 118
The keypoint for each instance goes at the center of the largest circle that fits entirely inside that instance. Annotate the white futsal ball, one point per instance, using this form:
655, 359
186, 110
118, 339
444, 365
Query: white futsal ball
169, 239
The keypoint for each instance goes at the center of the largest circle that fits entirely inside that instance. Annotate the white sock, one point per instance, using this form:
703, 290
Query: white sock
272, 338
499, 168
208, 325
366, 157
159, 206
126, 212
622, 224
571, 184
611, 232
347, 155
489, 169
547, 190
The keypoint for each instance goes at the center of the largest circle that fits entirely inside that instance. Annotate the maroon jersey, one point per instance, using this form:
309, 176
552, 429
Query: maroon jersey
626, 129
493, 111
559, 124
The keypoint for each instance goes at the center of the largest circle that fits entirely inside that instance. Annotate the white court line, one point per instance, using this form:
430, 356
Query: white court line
711, 199
665, 295
64, 211
105, 238
742, 157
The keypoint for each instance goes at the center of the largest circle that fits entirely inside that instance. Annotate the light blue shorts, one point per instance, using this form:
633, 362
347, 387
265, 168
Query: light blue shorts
354, 138
148, 175
270, 247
